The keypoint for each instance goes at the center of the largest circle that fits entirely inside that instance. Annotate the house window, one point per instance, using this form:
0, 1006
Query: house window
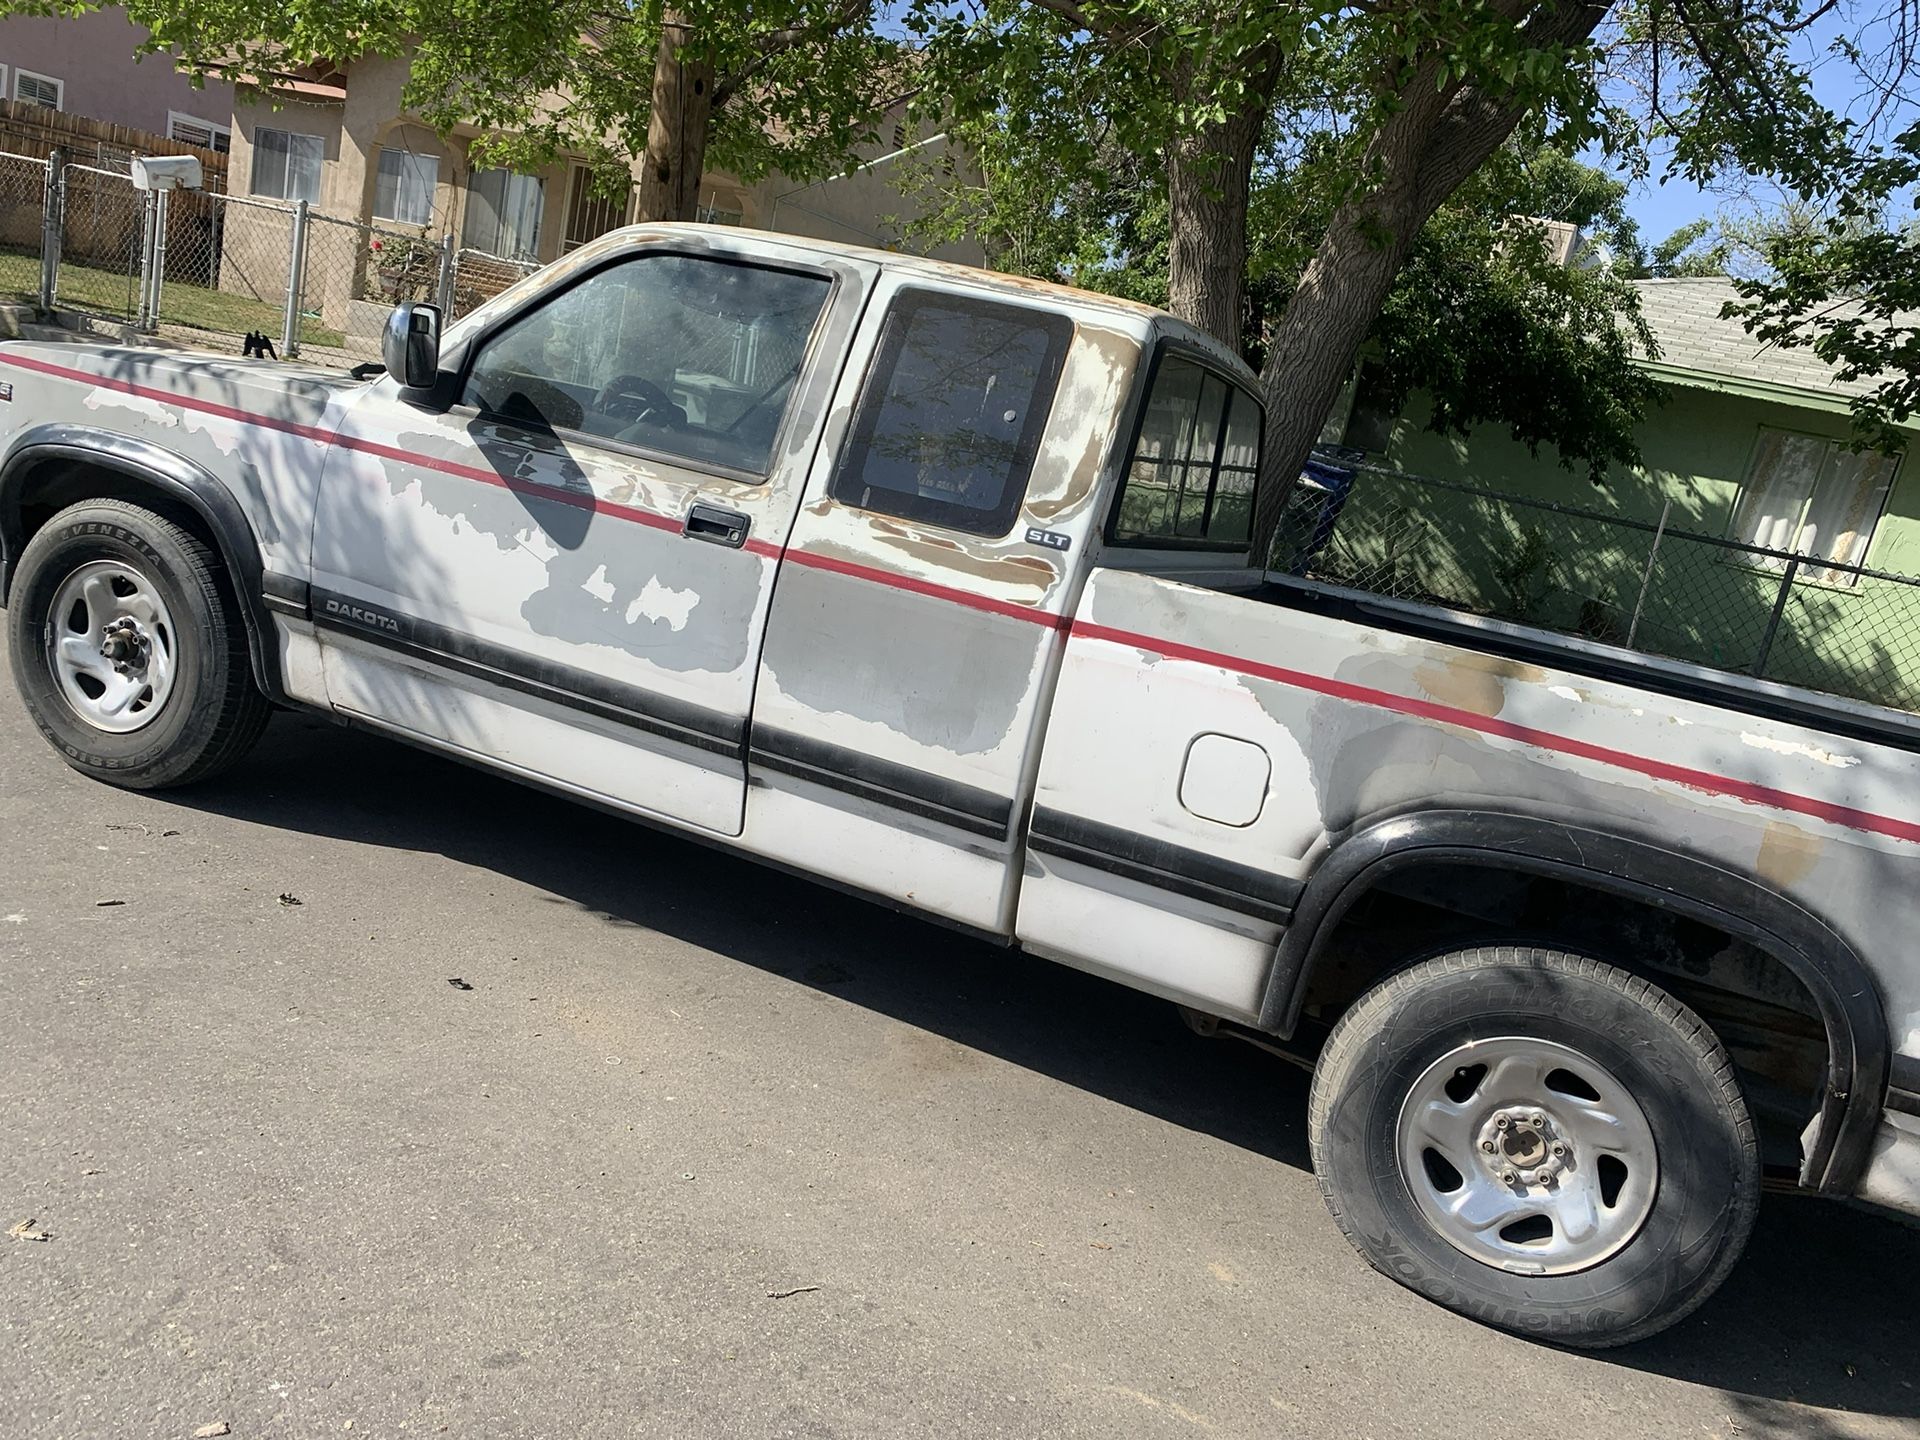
403, 188
32, 89
286, 166
1813, 497
714, 214
950, 417
203, 133
591, 212
503, 214
1191, 477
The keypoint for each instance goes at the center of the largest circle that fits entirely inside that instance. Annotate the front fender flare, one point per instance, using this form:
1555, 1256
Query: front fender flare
155, 469
1839, 981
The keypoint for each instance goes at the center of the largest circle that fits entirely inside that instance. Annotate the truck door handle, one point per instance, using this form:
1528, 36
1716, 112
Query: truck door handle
716, 526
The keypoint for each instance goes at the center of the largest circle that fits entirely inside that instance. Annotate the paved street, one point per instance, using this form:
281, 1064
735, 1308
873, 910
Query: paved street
296, 1181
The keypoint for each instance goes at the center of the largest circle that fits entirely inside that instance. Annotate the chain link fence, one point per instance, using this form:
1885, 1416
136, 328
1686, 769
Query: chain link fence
1650, 586
23, 194
225, 267
479, 276
218, 270
103, 237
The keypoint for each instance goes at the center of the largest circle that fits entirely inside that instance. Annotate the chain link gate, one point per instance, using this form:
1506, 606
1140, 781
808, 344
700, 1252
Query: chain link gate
24, 209
103, 228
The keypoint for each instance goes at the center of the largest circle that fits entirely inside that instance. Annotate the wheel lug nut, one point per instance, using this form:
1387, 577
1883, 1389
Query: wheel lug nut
1502, 1121
1559, 1149
1539, 1118
1508, 1176
1487, 1145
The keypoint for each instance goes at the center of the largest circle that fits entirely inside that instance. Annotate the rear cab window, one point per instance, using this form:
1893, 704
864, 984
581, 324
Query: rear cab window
1189, 479
952, 411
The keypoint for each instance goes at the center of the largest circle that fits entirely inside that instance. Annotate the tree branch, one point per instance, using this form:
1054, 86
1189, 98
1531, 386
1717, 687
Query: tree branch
783, 41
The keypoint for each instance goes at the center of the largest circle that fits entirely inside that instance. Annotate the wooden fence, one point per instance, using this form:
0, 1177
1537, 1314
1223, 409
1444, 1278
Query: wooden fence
36, 131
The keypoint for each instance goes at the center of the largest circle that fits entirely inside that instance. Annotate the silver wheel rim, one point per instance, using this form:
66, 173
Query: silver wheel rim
1527, 1155
111, 646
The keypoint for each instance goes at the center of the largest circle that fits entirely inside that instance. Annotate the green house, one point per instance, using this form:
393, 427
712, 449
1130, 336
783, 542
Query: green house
1751, 538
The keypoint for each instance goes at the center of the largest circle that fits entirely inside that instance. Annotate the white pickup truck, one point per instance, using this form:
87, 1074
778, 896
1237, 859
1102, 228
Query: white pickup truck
935, 584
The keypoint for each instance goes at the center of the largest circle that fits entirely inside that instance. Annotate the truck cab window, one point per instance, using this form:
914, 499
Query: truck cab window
951, 415
689, 357
1191, 475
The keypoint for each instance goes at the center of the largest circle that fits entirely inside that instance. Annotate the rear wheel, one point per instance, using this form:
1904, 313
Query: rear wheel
1539, 1141
129, 651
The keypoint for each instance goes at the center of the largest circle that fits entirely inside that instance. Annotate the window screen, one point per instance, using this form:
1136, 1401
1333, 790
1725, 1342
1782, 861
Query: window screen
1190, 479
403, 186
287, 166
951, 414
32, 89
503, 214
1815, 497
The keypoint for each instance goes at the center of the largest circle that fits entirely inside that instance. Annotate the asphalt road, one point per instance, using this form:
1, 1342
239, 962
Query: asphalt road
298, 1182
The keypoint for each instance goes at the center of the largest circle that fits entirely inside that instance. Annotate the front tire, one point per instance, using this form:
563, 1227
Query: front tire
128, 648
1539, 1141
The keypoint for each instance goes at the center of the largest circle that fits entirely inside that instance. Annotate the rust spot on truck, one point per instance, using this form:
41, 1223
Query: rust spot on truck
1462, 685
1787, 854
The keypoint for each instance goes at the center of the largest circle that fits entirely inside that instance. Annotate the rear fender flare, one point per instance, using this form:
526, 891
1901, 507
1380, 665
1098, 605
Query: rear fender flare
1843, 989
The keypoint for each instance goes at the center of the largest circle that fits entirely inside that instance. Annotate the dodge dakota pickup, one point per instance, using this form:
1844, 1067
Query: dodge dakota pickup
936, 584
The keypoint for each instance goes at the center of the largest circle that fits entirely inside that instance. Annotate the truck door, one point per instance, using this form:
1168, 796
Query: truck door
925, 592
567, 570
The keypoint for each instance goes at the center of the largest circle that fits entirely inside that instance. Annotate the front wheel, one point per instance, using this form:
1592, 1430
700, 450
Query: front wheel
129, 650
1539, 1141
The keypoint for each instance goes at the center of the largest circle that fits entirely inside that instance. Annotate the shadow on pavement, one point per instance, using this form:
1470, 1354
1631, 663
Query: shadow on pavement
1814, 1314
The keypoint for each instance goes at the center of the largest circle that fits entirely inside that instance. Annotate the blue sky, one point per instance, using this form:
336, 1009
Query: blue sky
1663, 208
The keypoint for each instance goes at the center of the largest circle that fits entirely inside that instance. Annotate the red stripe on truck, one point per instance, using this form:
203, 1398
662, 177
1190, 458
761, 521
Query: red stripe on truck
1701, 780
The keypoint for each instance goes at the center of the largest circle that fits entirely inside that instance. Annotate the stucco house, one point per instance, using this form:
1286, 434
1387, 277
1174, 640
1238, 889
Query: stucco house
1749, 453
88, 65
339, 137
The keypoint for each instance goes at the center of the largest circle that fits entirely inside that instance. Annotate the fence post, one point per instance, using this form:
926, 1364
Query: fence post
1646, 575
157, 277
443, 282
296, 282
1773, 620
51, 227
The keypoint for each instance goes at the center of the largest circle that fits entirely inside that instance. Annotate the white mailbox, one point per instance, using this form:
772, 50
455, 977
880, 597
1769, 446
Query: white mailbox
166, 172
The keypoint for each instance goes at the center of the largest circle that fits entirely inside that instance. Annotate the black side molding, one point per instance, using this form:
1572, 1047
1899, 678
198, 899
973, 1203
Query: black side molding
1175, 868
1903, 1085
287, 596
591, 694
853, 772
1842, 987
152, 468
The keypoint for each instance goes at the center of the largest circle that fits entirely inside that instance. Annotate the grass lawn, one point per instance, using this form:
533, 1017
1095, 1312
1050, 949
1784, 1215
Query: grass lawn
113, 293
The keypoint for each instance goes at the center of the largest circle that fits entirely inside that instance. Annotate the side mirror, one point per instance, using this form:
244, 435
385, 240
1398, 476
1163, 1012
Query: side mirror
411, 345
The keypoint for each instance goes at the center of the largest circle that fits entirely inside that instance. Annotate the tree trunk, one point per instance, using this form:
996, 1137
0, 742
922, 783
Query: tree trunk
1425, 152
676, 126
1207, 181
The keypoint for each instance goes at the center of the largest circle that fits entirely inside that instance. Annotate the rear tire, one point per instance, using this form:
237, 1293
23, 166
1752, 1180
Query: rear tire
1539, 1141
128, 648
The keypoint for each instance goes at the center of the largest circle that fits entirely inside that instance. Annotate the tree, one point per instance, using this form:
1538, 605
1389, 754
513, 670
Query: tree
787, 84
1696, 250
1847, 287
1394, 105
1480, 318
